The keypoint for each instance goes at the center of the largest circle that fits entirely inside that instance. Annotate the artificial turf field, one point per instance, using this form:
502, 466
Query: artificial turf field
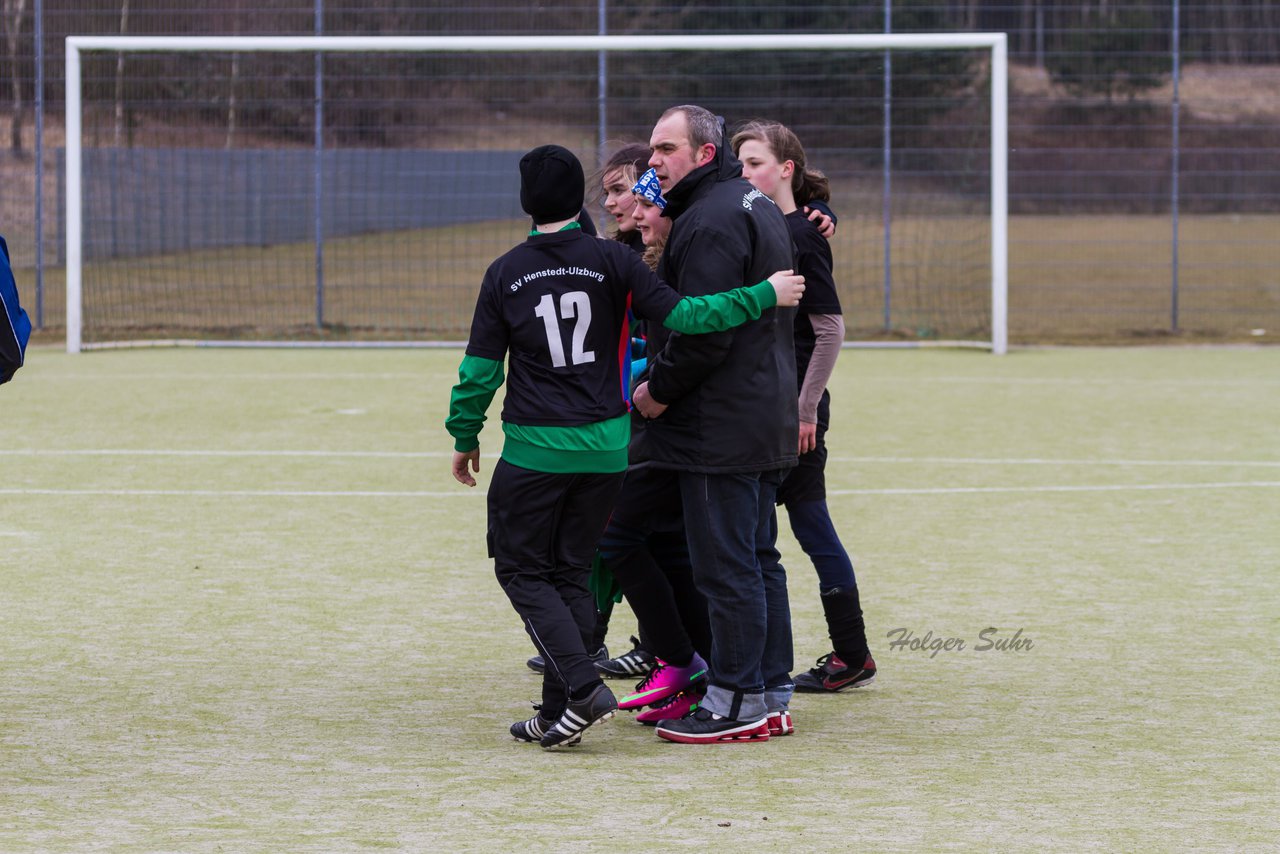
243, 607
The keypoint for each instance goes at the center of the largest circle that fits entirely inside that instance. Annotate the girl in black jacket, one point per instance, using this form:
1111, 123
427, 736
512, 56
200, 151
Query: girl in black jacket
774, 162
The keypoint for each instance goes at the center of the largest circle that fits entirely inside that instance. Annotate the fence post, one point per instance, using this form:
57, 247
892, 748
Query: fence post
38, 11
602, 84
1174, 160
318, 193
886, 213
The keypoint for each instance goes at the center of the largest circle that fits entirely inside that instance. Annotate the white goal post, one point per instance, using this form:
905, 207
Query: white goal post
996, 43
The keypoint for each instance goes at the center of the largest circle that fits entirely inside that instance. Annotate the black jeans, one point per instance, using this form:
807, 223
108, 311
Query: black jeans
543, 529
644, 546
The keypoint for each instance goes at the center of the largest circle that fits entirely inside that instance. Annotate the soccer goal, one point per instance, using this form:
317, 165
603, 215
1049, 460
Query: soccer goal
309, 191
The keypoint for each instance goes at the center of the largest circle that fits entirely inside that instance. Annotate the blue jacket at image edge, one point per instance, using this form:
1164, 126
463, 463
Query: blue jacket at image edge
15, 327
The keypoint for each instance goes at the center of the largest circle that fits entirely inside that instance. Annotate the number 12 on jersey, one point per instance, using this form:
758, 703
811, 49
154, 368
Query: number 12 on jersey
575, 305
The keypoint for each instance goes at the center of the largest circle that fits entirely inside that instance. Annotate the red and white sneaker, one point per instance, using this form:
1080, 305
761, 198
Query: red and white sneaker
706, 727
780, 723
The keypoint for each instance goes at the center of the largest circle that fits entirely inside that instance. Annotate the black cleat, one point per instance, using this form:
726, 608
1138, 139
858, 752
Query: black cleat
533, 729
630, 665
567, 731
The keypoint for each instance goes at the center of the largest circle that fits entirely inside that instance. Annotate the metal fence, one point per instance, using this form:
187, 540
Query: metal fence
1144, 168
265, 197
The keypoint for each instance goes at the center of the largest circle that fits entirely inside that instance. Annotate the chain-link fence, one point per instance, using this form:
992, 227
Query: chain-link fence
1144, 168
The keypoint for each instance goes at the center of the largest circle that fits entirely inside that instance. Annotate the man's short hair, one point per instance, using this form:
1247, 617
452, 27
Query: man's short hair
704, 126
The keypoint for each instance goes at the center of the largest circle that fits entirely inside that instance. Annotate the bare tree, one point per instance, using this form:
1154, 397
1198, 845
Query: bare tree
124, 28
1026, 35
13, 13
233, 82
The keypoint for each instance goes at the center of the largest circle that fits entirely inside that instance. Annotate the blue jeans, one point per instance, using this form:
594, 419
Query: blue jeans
778, 659
816, 534
729, 522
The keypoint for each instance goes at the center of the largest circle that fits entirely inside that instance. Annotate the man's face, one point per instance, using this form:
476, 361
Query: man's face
673, 157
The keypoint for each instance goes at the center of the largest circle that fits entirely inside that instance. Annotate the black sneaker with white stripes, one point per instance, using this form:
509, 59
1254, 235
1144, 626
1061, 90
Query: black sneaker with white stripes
534, 728
599, 705
630, 665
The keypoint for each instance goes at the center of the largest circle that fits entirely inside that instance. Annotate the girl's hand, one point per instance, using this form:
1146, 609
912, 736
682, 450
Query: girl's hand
788, 287
808, 437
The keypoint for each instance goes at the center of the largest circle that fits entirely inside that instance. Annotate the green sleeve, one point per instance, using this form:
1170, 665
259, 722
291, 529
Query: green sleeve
721, 312
478, 381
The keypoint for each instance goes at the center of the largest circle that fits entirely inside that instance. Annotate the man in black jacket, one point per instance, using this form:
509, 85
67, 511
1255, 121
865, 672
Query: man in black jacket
722, 422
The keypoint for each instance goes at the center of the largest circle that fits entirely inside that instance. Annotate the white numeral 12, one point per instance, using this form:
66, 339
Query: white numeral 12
576, 305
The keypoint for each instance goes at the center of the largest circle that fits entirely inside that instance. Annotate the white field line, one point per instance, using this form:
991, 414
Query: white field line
976, 461
176, 452
249, 493
273, 377
328, 493
1038, 461
961, 490
1118, 487
1078, 381
903, 380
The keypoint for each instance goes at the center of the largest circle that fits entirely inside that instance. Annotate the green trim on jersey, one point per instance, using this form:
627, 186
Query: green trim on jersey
478, 381
533, 232
599, 448
723, 311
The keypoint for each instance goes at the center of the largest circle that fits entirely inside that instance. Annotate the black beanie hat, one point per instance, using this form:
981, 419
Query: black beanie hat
551, 184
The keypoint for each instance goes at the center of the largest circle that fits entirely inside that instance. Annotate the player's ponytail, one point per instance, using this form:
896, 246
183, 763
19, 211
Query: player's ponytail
810, 185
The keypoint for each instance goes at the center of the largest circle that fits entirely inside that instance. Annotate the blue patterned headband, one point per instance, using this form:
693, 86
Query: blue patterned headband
650, 190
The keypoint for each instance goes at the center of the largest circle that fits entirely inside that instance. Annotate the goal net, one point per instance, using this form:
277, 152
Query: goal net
354, 189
